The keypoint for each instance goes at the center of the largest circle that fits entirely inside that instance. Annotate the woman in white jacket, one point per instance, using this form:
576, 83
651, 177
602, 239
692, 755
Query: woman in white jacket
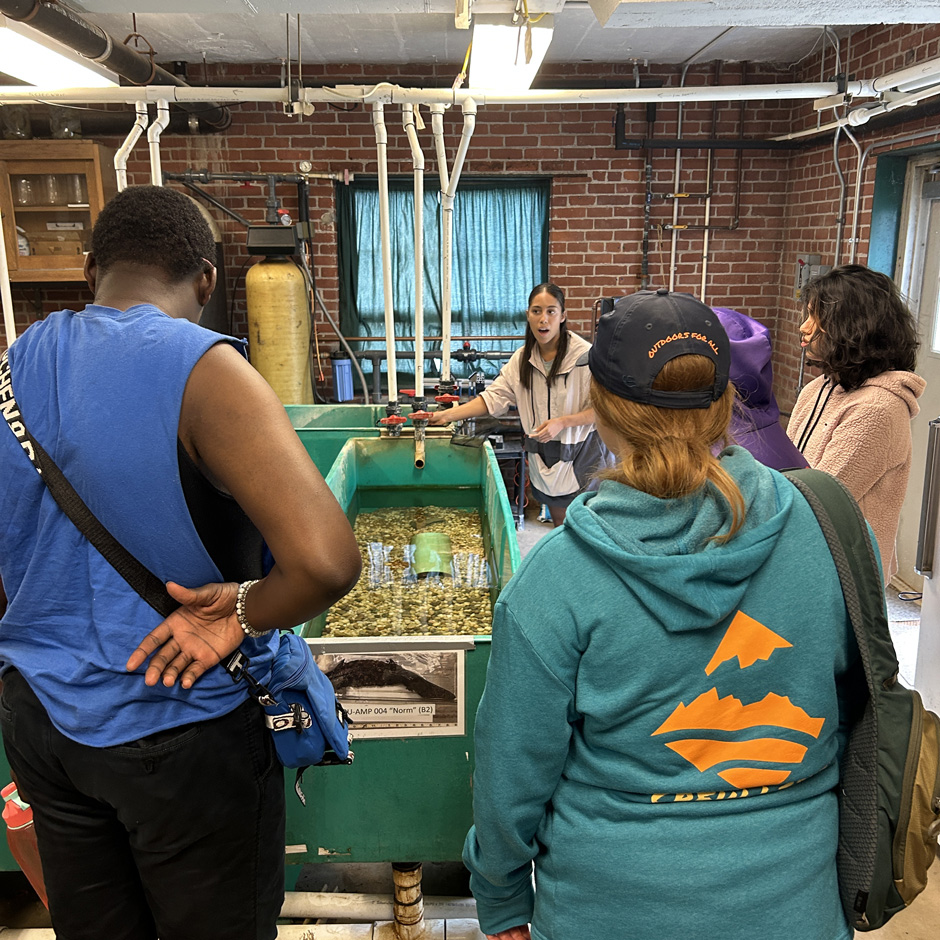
552, 394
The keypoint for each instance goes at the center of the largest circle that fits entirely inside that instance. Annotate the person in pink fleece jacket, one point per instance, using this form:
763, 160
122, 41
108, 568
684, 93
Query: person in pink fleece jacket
854, 421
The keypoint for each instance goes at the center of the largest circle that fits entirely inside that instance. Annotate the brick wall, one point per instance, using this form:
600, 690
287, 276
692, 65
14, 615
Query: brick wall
787, 200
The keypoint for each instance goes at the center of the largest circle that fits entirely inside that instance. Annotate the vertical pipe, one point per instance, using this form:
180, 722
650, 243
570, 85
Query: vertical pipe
858, 190
840, 218
381, 143
408, 120
120, 158
5, 294
437, 130
469, 122
708, 187
408, 901
675, 189
153, 137
708, 209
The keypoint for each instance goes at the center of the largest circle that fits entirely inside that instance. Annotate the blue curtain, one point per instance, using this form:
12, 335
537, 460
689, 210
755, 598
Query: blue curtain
500, 251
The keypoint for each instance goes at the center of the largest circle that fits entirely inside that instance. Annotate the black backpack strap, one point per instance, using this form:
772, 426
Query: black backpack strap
860, 812
134, 572
846, 533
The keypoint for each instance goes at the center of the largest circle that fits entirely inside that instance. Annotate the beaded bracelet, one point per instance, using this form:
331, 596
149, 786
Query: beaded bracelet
240, 611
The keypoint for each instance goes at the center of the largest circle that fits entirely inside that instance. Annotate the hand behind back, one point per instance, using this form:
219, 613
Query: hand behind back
193, 638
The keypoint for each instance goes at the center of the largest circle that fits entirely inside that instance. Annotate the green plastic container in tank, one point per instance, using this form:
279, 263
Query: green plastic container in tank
406, 798
432, 553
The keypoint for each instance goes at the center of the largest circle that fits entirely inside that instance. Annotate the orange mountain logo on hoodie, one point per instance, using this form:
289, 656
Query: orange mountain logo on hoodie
748, 641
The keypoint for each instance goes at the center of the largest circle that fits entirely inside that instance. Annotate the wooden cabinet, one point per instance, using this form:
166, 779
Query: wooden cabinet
51, 192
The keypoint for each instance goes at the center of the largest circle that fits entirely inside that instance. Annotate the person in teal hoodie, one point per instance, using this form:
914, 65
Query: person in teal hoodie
658, 742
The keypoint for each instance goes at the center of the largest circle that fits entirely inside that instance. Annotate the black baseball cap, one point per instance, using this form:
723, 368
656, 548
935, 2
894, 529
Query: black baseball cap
645, 331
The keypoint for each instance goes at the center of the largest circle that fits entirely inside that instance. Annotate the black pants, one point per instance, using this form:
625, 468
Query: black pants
178, 836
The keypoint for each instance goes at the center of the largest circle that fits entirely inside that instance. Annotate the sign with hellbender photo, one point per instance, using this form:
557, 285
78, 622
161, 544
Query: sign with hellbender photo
399, 694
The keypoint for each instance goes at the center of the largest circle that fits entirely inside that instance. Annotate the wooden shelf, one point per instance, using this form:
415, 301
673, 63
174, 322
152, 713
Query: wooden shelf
52, 157
71, 207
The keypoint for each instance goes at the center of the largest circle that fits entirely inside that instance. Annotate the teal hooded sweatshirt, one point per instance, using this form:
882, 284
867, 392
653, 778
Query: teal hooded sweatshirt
660, 729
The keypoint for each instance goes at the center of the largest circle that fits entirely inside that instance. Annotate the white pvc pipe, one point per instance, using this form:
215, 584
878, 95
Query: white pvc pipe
447, 199
120, 158
863, 115
408, 120
437, 130
381, 145
153, 138
393, 94
367, 907
923, 72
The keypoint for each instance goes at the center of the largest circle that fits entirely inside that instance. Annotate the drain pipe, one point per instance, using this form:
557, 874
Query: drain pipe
469, 107
393, 419
408, 120
153, 138
120, 158
409, 902
445, 397
367, 907
71, 29
419, 414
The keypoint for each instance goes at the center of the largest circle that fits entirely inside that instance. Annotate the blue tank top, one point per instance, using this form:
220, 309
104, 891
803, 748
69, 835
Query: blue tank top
101, 390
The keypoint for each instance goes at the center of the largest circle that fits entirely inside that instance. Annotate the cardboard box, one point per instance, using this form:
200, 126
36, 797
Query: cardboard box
56, 243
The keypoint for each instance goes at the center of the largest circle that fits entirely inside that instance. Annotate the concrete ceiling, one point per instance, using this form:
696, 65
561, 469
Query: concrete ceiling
399, 32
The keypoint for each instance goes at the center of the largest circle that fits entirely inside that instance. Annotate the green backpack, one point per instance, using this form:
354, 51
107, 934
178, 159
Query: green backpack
889, 807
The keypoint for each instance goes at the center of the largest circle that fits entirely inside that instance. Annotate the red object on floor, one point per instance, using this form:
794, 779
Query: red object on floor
22, 839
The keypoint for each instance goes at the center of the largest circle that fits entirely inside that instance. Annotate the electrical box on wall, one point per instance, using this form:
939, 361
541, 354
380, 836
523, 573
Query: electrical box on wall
808, 267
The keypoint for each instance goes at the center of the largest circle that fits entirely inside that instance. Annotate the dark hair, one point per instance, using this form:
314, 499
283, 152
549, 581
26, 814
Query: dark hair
864, 327
525, 367
155, 226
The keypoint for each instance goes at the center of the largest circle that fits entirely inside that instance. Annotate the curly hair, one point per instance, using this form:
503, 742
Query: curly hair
155, 226
864, 327
525, 367
669, 450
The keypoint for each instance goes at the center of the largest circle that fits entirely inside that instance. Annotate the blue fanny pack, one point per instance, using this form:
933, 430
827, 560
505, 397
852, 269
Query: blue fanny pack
310, 726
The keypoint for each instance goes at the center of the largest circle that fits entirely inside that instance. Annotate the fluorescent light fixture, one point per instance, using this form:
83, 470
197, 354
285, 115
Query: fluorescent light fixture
40, 60
499, 51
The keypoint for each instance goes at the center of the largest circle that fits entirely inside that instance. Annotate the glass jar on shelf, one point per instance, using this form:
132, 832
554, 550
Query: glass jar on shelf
24, 190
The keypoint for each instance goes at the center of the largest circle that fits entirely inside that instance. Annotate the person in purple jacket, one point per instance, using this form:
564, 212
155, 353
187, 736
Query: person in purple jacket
755, 424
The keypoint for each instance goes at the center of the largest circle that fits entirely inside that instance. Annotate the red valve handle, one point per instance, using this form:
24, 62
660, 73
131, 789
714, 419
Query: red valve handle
410, 392
420, 415
393, 419
446, 398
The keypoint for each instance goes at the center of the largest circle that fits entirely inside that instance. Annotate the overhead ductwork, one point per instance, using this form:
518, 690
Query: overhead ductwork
88, 40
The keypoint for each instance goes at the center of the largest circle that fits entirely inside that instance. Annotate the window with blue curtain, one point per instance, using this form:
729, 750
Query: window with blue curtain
500, 252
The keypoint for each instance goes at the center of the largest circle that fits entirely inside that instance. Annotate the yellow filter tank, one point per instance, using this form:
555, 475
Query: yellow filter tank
279, 328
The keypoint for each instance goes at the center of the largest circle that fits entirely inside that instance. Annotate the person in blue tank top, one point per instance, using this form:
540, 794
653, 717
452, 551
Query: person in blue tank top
157, 797
659, 736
